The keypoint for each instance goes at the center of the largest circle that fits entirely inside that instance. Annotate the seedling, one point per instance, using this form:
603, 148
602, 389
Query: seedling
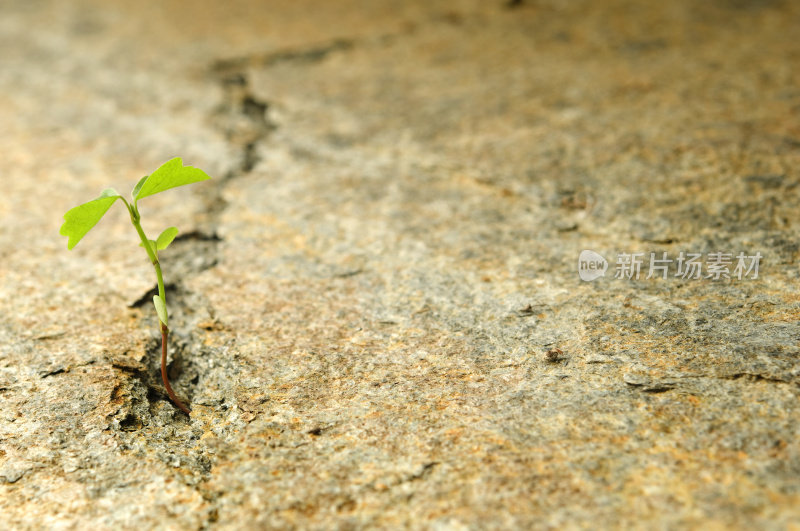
79, 220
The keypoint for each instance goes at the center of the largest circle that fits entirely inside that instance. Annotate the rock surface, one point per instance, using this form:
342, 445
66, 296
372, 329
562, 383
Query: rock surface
376, 308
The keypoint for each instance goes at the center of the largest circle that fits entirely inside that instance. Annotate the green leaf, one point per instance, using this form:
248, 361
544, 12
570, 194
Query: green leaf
161, 309
80, 220
138, 186
171, 174
152, 244
165, 238
109, 192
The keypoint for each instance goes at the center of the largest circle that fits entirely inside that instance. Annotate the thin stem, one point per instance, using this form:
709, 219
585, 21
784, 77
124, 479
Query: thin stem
151, 252
170, 392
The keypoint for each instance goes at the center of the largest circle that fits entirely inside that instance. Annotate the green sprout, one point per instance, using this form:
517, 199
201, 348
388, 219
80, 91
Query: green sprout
79, 221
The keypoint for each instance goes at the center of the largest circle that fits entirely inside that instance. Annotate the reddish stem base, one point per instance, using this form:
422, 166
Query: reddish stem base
170, 392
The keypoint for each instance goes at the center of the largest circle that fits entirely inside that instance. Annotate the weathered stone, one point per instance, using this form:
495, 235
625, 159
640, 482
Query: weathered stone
364, 297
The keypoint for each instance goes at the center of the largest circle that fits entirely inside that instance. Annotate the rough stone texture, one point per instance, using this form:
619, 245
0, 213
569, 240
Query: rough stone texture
364, 295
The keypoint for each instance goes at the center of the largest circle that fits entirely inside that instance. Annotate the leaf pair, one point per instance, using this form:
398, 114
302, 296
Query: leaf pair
163, 240
79, 221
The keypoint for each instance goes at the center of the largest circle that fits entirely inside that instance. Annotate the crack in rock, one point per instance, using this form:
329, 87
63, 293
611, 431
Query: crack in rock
312, 54
243, 120
139, 389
